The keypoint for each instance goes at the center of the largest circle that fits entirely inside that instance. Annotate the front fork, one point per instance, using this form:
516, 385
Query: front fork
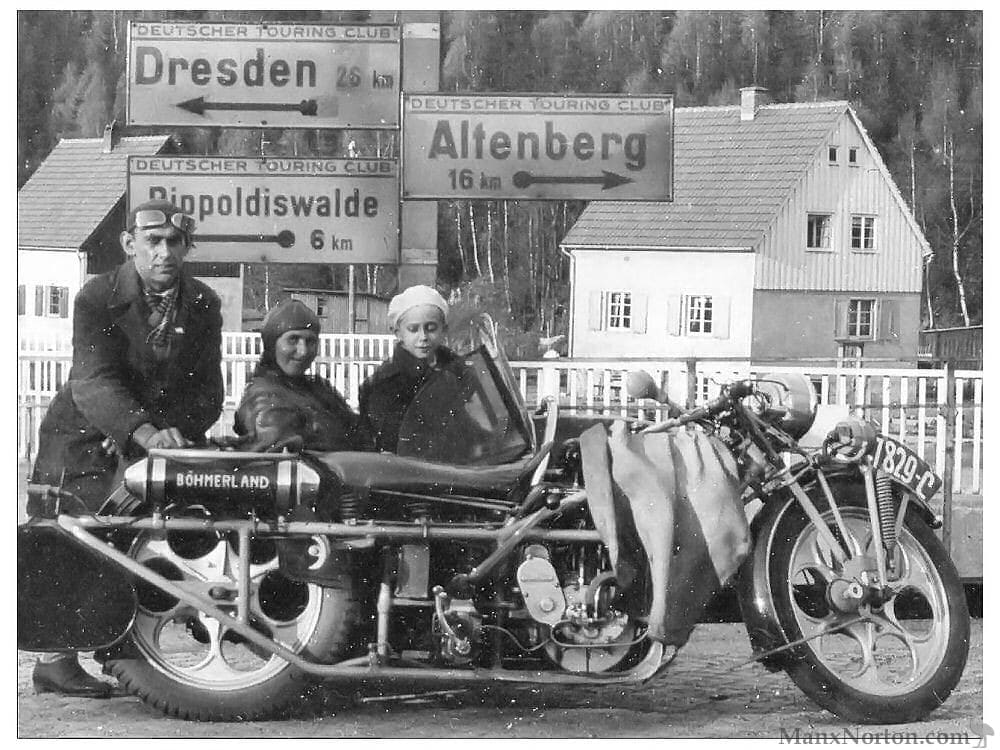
886, 521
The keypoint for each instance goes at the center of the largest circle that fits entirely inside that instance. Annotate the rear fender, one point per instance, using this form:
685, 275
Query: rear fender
57, 609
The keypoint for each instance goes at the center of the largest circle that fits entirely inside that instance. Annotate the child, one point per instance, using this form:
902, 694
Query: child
419, 319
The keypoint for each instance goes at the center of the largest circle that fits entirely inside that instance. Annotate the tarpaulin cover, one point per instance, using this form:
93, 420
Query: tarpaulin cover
666, 504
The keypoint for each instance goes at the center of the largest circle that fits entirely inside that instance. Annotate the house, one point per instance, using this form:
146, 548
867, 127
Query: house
786, 240
70, 214
331, 307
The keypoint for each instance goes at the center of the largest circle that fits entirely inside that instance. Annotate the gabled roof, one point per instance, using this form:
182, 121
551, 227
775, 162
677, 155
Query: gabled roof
731, 177
75, 188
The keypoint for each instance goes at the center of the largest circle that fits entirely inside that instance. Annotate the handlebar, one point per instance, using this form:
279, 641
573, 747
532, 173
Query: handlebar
730, 394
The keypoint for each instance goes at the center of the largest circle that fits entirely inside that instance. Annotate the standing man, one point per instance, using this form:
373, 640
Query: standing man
146, 374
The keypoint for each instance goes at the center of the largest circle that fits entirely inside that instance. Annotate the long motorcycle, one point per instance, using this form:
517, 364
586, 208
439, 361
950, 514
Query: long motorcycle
214, 583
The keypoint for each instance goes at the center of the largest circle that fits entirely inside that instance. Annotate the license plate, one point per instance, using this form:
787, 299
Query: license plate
905, 467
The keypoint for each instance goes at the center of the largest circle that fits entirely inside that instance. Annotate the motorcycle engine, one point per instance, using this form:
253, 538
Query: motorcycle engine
585, 632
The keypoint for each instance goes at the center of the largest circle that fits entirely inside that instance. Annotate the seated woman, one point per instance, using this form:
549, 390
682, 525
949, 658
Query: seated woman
282, 406
419, 319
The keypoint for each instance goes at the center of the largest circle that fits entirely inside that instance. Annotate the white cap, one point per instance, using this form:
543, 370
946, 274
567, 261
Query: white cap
414, 297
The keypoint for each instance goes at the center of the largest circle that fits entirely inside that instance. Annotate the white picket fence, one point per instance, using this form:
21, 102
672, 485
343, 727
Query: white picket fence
910, 404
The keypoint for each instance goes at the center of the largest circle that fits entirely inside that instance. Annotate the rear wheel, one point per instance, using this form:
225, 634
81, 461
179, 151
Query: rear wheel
190, 665
868, 659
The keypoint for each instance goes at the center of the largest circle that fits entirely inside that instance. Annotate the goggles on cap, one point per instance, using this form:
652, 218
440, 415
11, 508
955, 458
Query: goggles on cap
153, 217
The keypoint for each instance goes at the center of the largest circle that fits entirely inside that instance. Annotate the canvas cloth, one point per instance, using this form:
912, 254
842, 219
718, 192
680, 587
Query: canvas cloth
667, 506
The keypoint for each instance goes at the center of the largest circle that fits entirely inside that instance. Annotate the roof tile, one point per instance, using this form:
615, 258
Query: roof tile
730, 179
75, 188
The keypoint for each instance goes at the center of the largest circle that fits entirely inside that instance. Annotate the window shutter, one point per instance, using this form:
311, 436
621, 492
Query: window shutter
839, 319
674, 306
720, 317
20, 299
39, 301
63, 302
888, 319
639, 306
596, 311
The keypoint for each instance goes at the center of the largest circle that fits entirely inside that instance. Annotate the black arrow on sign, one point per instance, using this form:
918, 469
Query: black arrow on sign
607, 180
283, 238
199, 105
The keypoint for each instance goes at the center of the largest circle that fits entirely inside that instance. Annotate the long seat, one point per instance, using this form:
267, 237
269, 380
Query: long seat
391, 473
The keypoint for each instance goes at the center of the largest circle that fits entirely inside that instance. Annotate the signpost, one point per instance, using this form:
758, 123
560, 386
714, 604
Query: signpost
277, 209
263, 75
539, 146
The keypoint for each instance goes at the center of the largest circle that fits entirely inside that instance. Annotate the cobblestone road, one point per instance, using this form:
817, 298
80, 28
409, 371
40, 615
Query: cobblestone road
698, 696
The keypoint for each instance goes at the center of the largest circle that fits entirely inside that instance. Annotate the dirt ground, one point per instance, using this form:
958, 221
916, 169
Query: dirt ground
700, 695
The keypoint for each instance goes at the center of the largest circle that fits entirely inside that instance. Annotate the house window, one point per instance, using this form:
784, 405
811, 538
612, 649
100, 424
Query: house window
619, 311
852, 156
818, 231
55, 297
833, 154
862, 232
320, 307
698, 314
52, 301
20, 299
851, 355
861, 318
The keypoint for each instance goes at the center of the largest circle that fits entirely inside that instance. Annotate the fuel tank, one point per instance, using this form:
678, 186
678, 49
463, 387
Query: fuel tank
267, 484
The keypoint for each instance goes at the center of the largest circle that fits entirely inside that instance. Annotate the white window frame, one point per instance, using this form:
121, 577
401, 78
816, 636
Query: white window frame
699, 315
826, 236
52, 297
852, 156
320, 306
833, 154
866, 237
855, 313
850, 354
620, 308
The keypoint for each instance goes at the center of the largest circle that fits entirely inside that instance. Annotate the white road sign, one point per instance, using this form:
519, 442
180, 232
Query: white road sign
263, 75
539, 146
276, 209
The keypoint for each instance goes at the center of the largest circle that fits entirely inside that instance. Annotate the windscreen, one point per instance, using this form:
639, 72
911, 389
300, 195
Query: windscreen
465, 415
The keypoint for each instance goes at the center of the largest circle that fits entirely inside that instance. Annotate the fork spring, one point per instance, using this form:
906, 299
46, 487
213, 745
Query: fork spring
886, 509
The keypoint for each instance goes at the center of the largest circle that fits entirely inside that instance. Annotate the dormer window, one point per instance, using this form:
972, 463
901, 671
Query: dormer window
833, 154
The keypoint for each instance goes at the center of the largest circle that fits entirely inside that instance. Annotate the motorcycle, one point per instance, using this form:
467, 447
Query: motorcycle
226, 579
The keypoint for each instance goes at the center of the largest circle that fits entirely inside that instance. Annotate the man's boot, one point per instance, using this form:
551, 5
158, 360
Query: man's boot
63, 674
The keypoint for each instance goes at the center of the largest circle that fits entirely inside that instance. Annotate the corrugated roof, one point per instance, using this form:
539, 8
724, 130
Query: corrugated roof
75, 188
730, 179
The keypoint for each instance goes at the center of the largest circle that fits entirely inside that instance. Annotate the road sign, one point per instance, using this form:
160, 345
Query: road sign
263, 75
539, 146
276, 209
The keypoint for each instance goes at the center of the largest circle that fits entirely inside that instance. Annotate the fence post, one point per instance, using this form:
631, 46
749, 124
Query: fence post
692, 383
949, 456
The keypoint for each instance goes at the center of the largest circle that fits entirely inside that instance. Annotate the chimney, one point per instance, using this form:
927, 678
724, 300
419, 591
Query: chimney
110, 137
752, 97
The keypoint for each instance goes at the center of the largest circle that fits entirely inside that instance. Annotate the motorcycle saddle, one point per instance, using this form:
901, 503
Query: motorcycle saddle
386, 472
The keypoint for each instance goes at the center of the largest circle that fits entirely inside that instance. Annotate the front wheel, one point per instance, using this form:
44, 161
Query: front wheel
871, 657
190, 665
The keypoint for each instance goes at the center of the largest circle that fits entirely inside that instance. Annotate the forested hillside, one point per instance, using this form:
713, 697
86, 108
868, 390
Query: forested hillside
914, 77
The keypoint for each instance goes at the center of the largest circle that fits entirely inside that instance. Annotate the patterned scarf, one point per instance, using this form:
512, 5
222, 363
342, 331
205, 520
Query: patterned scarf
162, 309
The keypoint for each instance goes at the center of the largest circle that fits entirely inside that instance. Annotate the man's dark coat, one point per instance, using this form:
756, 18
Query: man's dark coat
116, 384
